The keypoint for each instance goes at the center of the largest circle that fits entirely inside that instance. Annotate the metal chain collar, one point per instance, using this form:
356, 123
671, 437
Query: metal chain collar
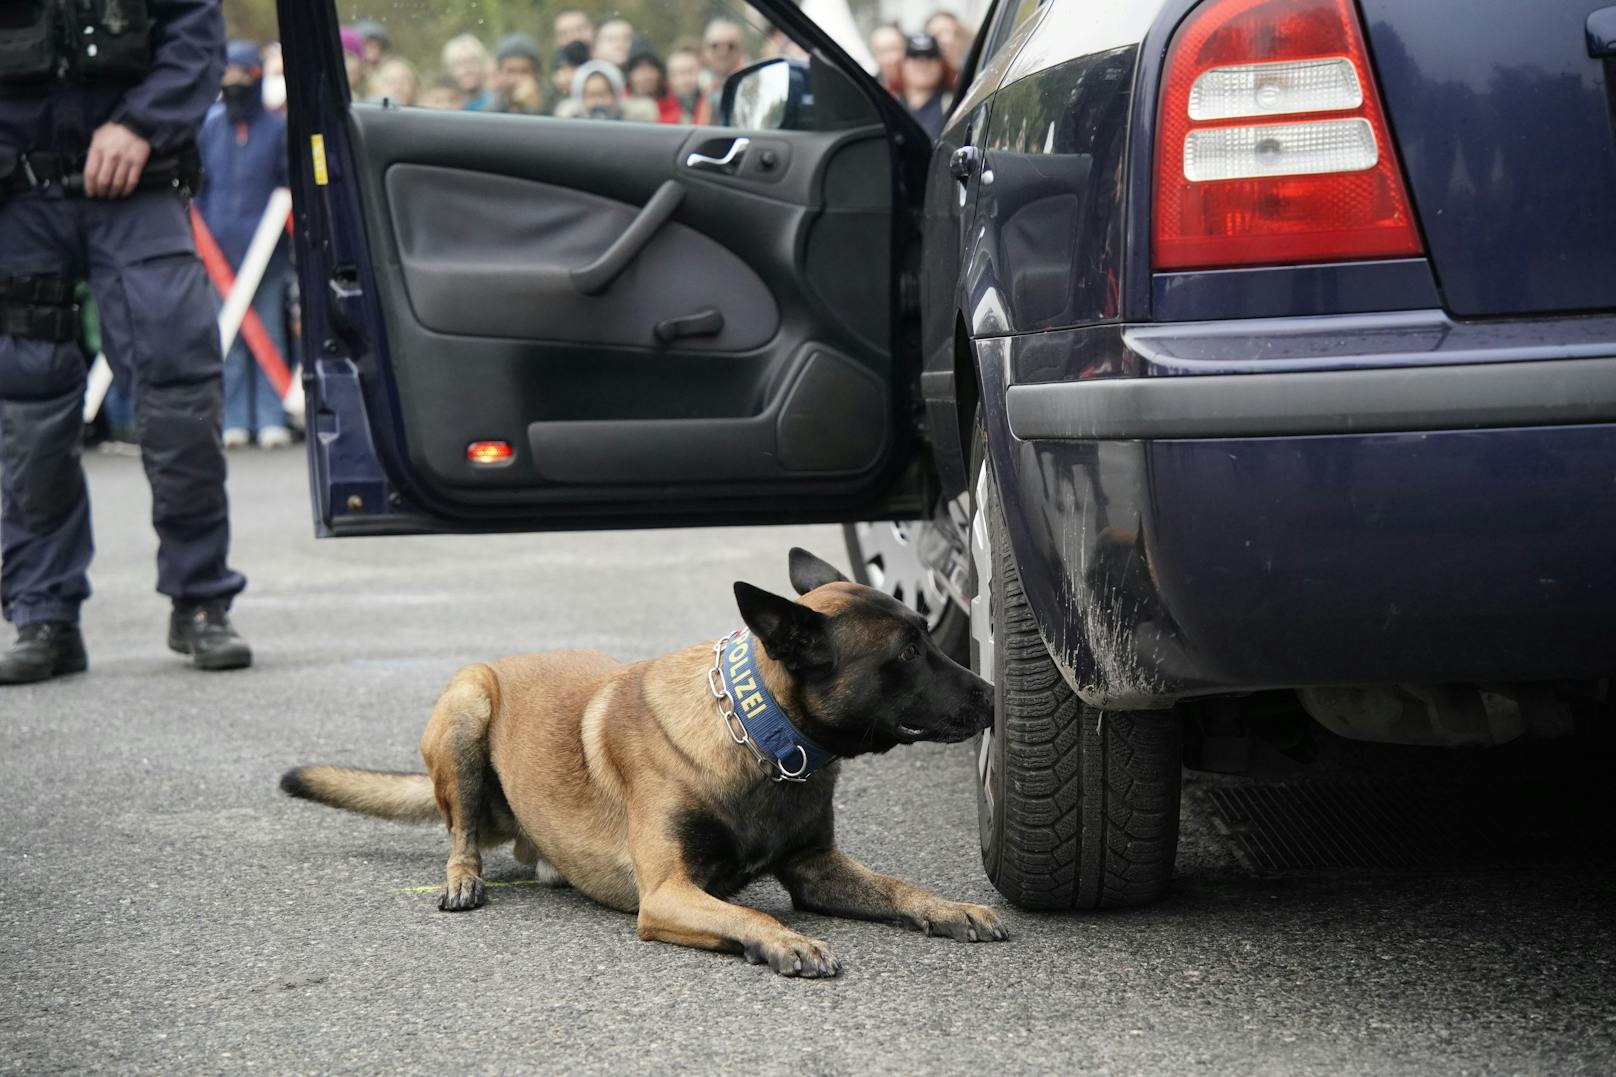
736, 729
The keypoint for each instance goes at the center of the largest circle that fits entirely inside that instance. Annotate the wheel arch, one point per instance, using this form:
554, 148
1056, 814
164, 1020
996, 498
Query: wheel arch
1081, 567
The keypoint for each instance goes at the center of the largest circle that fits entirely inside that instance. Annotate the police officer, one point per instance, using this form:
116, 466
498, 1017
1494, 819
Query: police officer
100, 101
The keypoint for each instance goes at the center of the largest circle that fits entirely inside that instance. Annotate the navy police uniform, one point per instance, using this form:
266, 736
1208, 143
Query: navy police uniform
157, 311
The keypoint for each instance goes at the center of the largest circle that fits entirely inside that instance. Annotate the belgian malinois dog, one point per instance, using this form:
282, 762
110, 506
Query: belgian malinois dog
665, 786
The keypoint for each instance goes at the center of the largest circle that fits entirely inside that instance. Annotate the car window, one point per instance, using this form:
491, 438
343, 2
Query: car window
1007, 20
637, 62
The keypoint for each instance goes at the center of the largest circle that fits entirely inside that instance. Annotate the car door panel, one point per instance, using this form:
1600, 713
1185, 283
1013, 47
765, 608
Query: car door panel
491, 255
655, 342
826, 419
477, 223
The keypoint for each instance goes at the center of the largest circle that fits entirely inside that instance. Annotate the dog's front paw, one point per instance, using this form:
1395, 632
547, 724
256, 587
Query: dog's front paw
962, 922
794, 955
464, 892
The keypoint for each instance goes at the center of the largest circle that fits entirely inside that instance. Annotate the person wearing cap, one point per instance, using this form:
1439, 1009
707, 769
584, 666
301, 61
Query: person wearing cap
516, 78
377, 41
374, 45
926, 81
243, 148
353, 61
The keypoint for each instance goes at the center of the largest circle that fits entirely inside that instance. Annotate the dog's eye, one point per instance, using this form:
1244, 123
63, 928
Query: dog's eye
909, 653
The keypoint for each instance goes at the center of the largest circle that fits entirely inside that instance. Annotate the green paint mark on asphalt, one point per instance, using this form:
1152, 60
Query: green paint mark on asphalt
487, 885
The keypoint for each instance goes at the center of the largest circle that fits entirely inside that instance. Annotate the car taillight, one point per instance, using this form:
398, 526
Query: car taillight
1272, 146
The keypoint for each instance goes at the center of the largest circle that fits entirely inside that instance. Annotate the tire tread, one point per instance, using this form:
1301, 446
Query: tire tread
1088, 816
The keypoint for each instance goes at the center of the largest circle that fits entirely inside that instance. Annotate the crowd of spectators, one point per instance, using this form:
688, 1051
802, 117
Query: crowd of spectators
604, 71
922, 69
610, 71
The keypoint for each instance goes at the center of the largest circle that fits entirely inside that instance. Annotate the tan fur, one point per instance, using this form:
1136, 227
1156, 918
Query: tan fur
405, 797
596, 760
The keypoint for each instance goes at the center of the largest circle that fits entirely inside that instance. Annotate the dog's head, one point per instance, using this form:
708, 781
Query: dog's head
864, 673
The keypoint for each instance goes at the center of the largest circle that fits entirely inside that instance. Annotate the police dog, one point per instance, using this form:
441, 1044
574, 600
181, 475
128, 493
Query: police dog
638, 784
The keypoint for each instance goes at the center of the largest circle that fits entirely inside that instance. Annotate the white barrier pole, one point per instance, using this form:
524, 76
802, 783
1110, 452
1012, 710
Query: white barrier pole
292, 403
259, 252
96, 386
262, 248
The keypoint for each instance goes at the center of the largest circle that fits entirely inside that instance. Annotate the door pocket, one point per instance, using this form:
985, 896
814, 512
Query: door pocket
830, 419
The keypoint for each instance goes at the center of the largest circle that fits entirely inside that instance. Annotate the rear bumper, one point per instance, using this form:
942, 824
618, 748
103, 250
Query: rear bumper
1363, 513
1459, 397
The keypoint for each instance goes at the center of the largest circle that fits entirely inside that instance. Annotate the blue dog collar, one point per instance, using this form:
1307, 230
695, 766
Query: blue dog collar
764, 727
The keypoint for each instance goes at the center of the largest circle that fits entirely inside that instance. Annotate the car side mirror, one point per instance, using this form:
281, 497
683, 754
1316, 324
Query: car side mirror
771, 95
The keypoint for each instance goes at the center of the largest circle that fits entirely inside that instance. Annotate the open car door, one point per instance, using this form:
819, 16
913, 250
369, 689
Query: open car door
519, 322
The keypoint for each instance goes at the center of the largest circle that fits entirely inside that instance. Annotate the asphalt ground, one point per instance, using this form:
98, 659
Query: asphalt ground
165, 909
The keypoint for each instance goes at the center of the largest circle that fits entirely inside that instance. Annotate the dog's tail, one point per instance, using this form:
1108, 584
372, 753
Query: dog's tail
407, 798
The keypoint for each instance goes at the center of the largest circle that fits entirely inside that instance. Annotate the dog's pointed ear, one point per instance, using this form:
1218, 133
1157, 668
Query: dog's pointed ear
794, 635
808, 571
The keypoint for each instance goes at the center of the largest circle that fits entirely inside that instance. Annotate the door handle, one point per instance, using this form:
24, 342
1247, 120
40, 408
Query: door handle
726, 165
1601, 30
598, 275
705, 323
964, 162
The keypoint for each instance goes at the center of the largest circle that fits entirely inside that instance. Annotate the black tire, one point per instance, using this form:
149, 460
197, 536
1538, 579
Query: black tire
952, 631
1077, 808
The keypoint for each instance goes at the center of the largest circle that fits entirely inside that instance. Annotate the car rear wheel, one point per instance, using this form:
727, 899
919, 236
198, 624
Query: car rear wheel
1077, 807
885, 555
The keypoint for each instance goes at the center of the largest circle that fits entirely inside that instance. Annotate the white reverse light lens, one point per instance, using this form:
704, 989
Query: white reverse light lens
1280, 149
1275, 89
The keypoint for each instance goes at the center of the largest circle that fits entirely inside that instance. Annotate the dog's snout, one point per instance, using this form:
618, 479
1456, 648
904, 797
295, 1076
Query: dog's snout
984, 706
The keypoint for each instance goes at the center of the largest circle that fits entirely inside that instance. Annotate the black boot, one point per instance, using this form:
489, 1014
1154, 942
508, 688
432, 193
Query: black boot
204, 633
43, 650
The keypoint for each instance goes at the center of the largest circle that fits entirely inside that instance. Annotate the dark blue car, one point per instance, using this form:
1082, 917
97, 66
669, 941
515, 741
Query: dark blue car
1216, 350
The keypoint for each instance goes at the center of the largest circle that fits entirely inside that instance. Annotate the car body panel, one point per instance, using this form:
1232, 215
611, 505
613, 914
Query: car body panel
1503, 123
1289, 291
1050, 128
1168, 568
1171, 568
1049, 218
948, 242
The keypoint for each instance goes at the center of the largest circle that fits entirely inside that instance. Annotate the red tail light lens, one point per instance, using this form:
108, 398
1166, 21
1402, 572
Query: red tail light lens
1272, 146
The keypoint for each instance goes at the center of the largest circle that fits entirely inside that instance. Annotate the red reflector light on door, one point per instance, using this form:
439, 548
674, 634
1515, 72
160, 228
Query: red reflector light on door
490, 453
1272, 146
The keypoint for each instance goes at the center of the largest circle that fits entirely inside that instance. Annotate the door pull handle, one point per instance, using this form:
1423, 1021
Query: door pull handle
726, 165
598, 275
964, 162
704, 323
1601, 31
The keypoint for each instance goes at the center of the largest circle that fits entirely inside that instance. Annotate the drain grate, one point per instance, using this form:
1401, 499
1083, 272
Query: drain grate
1300, 827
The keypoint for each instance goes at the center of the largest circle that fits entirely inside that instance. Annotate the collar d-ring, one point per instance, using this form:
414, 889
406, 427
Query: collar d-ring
800, 771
